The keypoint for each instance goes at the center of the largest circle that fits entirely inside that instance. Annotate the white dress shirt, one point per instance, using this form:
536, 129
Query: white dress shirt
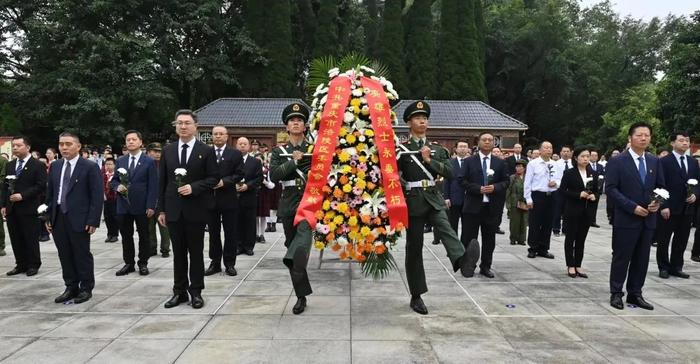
189, 149
538, 175
136, 159
635, 158
72, 162
678, 160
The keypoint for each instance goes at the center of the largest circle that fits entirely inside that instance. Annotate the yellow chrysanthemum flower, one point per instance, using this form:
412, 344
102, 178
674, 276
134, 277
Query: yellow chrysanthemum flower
362, 159
347, 188
346, 169
375, 159
320, 245
369, 132
352, 221
356, 102
352, 235
344, 156
365, 231
332, 226
343, 132
342, 207
326, 205
361, 146
361, 184
330, 214
350, 139
361, 174
338, 219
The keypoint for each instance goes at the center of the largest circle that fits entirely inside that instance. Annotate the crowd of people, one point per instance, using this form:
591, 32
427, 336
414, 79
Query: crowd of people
170, 195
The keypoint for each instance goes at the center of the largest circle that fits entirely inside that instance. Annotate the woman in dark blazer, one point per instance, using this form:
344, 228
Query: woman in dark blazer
580, 188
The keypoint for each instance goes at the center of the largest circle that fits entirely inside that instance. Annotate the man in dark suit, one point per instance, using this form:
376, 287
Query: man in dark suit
678, 212
631, 180
599, 170
229, 162
74, 197
485, 180
453, 190
514, 158
136, 201
247, 190
3, 163
185, 203
19, 206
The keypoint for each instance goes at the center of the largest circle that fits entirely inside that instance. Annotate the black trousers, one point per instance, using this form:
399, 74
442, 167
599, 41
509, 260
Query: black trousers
246, 226
454, 214
110, 213
488, 224
24, 237
630, 259
188, 246
126, 228
540, 222
679, 227
74, 253
229, 219
577, 231
696, 238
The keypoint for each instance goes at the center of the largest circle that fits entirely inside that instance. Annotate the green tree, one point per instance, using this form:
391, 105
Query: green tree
391, 45
326, 36
639, 103
420, 61
372, 28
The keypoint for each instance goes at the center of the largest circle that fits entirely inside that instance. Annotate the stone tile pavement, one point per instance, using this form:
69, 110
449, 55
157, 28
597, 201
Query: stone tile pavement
531, 312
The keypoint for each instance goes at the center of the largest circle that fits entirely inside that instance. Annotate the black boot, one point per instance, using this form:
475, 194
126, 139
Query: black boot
268, 228
300, 306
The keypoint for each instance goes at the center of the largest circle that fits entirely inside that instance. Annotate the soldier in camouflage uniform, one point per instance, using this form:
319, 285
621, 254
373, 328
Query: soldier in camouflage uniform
426, 204
291, 172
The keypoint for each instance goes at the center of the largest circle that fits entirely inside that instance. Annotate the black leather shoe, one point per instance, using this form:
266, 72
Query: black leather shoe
231, 271
581, 274
268, 228
44, 238
469, 259
654, 244
639, 301
616, 302
83, 296
32, 272
300, 306
67, 295
500, 232
436, 242
175, 300
531, 254
663, 274
418, 305
486, 273
165, 255
679, 274
547, 255
695, 258
595, 225
274, 228
126, 269
521, 243
197, 302
108, 240
262, 239
249, 252
15, 271
213, 269
143, 270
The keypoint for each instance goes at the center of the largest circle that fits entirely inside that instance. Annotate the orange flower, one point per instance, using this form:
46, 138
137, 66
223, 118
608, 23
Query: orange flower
326, 189
361, 258
370, 238
366, 219
343, 180
377, 221
379, 249
343, 255
319, 215
330, 237
335, 247
338, 193
371, 186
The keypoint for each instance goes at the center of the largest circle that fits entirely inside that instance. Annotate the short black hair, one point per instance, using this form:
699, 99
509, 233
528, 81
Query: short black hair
69, 134
485, 132
110, 159
639, 124
565, 146
138, 134
24, 139
189, 112
675, 134
580, 150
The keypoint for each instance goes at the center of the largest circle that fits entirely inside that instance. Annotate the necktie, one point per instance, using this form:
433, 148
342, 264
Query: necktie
460, 162
485, 168
64, 188
183, 155
218, 155
566, 165
20, 164
642, 170
420, 143
132, 165
684, 170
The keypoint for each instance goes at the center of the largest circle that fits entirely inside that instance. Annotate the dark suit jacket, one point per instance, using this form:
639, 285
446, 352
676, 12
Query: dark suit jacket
230, 171
143, 186
85, 194
510, 163
599, 169
31, 184
676, 183
202, 175
624, 187
473, 179
453, 189
252, 172
571, 187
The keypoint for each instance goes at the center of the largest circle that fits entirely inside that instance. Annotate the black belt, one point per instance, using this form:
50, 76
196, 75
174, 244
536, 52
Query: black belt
548, 193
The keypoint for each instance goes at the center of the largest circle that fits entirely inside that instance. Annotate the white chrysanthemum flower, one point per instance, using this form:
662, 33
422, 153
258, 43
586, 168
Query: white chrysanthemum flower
180, 172
333, 72
663, 193
42, 209
357, 92
122, 171
366, 69
11, 177
362, 138
692, 182
349, 117
343, 241
314, 103
323, 101
490, 172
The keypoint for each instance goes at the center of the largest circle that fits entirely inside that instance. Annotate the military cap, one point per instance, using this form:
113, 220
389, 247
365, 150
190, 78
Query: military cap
522, 162
295, 109
417, 107
255, 142
696, 155
154, 146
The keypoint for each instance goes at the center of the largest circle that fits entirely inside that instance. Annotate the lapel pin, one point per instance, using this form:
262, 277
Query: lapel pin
200, 156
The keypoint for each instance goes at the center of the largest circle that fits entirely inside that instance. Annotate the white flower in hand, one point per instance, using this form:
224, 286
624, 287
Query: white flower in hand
587, 180
11, 177
692, 182
663, 193
180, 172
122, 171
42, 209
490, 172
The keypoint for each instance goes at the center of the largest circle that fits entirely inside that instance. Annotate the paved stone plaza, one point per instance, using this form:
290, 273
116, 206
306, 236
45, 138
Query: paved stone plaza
531, 312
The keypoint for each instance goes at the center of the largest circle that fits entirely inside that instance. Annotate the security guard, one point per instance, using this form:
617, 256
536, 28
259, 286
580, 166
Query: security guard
291, 171
426, 204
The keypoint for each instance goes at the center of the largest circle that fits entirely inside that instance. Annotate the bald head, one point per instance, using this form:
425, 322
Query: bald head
243, 145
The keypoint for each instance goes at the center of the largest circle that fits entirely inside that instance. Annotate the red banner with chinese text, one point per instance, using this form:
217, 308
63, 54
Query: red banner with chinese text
379, 111
331, 120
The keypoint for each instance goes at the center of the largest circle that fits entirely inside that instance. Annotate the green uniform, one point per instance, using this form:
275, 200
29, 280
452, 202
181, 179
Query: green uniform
426, 205
3, 164
518, 217
298, 238
164, 236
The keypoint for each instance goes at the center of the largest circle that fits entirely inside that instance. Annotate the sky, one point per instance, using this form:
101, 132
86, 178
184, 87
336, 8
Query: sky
647, 9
